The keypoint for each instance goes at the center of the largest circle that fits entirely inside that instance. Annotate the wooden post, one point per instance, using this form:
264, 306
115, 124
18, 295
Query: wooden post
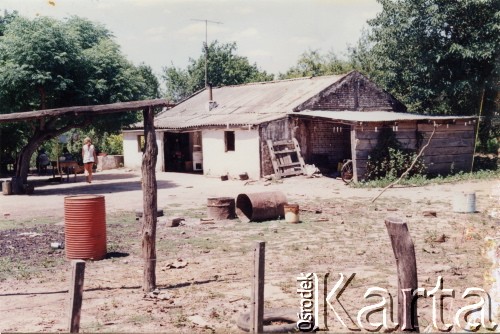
355, 176
257, 309
404, 251
149, 188
76, 295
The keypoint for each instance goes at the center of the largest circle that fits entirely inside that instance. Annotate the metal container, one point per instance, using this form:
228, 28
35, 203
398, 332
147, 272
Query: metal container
85, 227
260, 206
291, 213
6, 188
220, 208
465, 202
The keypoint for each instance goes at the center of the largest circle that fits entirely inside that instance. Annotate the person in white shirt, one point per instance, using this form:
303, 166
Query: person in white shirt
89, 158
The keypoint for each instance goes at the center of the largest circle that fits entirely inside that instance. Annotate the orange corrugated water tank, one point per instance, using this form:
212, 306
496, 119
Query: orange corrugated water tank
85, 227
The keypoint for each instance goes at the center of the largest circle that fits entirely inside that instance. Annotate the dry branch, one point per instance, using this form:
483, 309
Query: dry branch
409, 168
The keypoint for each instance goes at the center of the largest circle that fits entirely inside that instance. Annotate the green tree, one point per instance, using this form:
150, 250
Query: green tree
5, 19
46, 63
312, 64
437, 56
224, 68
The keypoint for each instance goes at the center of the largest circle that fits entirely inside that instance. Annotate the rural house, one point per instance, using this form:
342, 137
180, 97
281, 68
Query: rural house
228, 130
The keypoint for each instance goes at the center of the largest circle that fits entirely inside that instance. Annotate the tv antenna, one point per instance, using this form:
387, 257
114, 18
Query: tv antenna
206, 45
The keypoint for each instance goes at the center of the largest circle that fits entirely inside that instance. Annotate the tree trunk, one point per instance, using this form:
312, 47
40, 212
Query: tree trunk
40, 135
149, 189
23, 163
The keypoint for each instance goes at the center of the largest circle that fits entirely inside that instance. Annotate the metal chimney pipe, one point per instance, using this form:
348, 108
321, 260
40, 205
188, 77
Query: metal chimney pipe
210, 96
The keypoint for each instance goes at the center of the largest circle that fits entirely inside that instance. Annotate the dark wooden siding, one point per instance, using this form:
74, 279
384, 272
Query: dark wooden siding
354, 92
451, 148
365, 139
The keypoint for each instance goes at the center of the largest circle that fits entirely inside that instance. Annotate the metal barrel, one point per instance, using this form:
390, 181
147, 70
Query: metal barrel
260, 206
465, 202
85, 227
221, 208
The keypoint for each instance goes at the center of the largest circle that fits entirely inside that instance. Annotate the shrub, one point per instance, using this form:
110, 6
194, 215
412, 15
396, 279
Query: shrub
389, 159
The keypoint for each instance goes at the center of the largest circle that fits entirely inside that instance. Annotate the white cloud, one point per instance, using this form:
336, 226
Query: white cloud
198, 29
258, 53
303, 40
145, 3
247, 33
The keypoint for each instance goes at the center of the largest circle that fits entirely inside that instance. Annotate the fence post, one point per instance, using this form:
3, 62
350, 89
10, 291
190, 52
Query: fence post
76, 295
406, 263
257, 307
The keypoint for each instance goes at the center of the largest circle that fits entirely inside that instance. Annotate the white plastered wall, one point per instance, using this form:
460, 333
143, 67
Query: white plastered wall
132, 156
245, 157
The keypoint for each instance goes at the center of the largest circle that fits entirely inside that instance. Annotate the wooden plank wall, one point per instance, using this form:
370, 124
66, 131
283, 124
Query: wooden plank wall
276, 130
365, 137
451, 148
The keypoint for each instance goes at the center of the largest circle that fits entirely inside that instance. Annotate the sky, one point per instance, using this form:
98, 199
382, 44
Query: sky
271, 33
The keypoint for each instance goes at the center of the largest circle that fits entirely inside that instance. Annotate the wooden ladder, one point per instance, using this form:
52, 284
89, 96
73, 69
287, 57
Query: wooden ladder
286, 158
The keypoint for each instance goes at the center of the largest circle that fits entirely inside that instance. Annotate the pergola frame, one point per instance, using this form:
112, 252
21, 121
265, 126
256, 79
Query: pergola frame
149, 185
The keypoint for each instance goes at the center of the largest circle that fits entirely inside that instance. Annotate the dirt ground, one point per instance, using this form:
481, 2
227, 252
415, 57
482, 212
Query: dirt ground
341, 232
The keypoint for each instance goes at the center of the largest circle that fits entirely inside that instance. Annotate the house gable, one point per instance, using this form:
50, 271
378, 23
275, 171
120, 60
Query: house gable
354, 92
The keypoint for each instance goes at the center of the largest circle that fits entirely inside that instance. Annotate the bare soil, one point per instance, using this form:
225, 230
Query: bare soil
204, 271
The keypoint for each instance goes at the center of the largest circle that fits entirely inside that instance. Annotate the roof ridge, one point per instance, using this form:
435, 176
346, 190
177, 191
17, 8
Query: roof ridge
284, 80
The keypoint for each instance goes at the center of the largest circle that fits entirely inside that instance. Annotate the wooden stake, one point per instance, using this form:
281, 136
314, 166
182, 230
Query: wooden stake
257, 309
76, 295
406, 263
150, 203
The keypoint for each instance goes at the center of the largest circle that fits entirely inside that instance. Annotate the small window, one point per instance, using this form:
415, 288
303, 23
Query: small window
140, 143
229, 140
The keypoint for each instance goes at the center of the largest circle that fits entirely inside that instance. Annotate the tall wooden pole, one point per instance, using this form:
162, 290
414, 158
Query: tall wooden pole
149, 190
406, 263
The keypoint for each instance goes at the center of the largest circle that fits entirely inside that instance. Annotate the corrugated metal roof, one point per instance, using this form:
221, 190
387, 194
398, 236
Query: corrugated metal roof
373, 116
252, 104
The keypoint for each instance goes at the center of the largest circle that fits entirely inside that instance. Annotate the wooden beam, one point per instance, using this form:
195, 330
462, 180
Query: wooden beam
86, 110
76, 295
406, 263
150, 204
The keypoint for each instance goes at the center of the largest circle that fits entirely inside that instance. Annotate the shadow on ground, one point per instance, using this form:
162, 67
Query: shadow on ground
104, 183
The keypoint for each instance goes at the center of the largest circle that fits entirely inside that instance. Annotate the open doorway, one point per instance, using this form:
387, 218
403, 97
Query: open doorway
183, 152
329, 145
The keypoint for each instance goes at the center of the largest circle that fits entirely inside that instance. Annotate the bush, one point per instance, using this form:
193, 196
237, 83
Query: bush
113, 144
389, 159
394, 165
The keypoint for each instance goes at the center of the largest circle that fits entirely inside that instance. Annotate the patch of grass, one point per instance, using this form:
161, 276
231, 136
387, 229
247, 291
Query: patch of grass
8, 224
180, 319
141, 318
186, 213
203, 243
19, 271
423, 180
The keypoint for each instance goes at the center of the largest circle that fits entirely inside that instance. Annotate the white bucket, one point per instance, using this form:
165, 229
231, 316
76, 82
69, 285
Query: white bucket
465, 202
